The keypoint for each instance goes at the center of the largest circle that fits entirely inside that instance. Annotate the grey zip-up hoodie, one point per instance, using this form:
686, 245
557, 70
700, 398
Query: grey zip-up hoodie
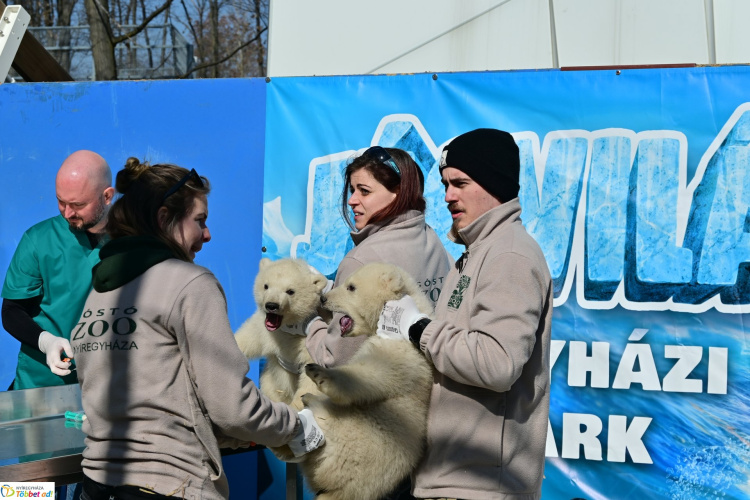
489, 343
163, 382
406, 241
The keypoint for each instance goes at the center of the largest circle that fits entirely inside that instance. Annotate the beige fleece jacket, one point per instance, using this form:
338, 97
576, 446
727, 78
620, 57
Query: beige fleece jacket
163, 383
487, 423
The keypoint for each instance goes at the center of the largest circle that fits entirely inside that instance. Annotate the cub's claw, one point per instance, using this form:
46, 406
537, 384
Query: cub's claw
316, 372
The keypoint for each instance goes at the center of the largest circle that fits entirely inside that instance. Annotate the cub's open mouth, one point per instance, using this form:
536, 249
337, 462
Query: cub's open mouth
273, 321
346, 323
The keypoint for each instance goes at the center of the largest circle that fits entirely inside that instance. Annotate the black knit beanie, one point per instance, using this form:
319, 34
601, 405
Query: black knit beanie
489, 157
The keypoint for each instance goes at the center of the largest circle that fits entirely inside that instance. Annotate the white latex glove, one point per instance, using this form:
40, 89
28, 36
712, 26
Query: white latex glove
396, 318
302, 328
308, 437
54, 347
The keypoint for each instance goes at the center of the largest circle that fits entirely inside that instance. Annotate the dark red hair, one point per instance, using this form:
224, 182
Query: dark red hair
409, 186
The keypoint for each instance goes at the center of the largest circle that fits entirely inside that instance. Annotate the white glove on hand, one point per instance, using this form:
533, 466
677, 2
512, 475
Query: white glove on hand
308, 437
396, 318
302, 328
54, 347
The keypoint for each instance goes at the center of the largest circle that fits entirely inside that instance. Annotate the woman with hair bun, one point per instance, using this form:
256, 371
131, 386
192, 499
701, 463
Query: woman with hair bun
163, 382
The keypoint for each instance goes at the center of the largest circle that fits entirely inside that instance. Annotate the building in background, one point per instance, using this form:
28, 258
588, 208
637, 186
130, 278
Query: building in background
341, 37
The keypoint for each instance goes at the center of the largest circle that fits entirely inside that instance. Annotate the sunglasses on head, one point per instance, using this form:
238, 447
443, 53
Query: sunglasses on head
380, 154
192, 174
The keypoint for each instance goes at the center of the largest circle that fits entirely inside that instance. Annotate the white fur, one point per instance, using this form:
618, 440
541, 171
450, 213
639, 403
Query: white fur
372, 410
287, 287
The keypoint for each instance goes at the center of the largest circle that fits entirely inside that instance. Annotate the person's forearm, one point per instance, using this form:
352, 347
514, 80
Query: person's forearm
17, 316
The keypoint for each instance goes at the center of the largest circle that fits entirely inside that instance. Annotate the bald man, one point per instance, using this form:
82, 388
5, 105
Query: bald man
49, 277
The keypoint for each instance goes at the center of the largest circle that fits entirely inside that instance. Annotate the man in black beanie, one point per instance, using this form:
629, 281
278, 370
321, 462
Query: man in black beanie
489, 341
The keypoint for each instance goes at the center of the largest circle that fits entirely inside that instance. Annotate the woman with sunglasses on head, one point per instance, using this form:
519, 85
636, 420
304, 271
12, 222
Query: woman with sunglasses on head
163, 382
383, 194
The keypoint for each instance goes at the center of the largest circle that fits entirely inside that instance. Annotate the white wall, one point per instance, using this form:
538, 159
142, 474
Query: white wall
334, 37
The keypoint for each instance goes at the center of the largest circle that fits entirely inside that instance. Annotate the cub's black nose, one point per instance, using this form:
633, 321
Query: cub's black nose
272, 306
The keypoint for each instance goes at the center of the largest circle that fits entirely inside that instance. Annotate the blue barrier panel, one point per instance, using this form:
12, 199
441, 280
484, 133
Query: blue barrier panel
214, 126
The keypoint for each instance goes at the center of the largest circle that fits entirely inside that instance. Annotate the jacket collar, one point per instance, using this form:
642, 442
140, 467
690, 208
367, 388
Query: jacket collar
409, 216
124, 259
507, 213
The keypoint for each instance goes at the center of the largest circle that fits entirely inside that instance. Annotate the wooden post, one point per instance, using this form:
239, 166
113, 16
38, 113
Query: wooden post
34, 63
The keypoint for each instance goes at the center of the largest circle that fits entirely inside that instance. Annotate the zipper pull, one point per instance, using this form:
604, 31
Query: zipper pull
462, 261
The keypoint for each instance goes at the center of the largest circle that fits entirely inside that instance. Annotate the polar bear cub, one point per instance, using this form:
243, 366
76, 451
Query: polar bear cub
286, 291
373, 409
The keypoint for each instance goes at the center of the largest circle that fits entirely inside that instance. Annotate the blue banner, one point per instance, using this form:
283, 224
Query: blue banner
636, 184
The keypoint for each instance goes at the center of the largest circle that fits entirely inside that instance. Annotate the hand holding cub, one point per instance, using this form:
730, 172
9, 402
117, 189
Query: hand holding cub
397, 317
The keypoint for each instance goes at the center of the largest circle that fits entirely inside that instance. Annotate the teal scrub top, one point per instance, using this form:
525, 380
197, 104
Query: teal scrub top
54, 262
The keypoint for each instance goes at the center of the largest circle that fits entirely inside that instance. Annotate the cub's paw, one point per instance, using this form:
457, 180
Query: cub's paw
284, 453
310, 400
298, 402
317, 373
305, 398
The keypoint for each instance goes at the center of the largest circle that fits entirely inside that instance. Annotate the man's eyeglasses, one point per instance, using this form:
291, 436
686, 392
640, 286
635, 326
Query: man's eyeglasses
192, 174
380, 154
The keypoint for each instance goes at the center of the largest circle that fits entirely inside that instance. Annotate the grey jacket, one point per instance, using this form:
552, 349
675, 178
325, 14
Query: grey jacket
489, 344
163, 385
406, 241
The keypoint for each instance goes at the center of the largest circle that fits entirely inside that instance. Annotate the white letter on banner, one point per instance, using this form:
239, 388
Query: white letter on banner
622, 438
555, 349
550, 216
606, 215
626, 374
658, 259
688, 358
717, 370
579, 364
726, 243
574, 436
551, 449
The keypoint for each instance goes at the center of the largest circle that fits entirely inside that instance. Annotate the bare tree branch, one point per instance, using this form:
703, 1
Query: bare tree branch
143, 25
190, 21
225, 58
261, 56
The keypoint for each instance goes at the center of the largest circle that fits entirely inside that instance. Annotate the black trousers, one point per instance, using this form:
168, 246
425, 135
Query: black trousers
97, 491
401, 492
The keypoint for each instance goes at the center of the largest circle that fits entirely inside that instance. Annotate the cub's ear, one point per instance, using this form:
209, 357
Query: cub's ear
392, 280
264, 262
319, 281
